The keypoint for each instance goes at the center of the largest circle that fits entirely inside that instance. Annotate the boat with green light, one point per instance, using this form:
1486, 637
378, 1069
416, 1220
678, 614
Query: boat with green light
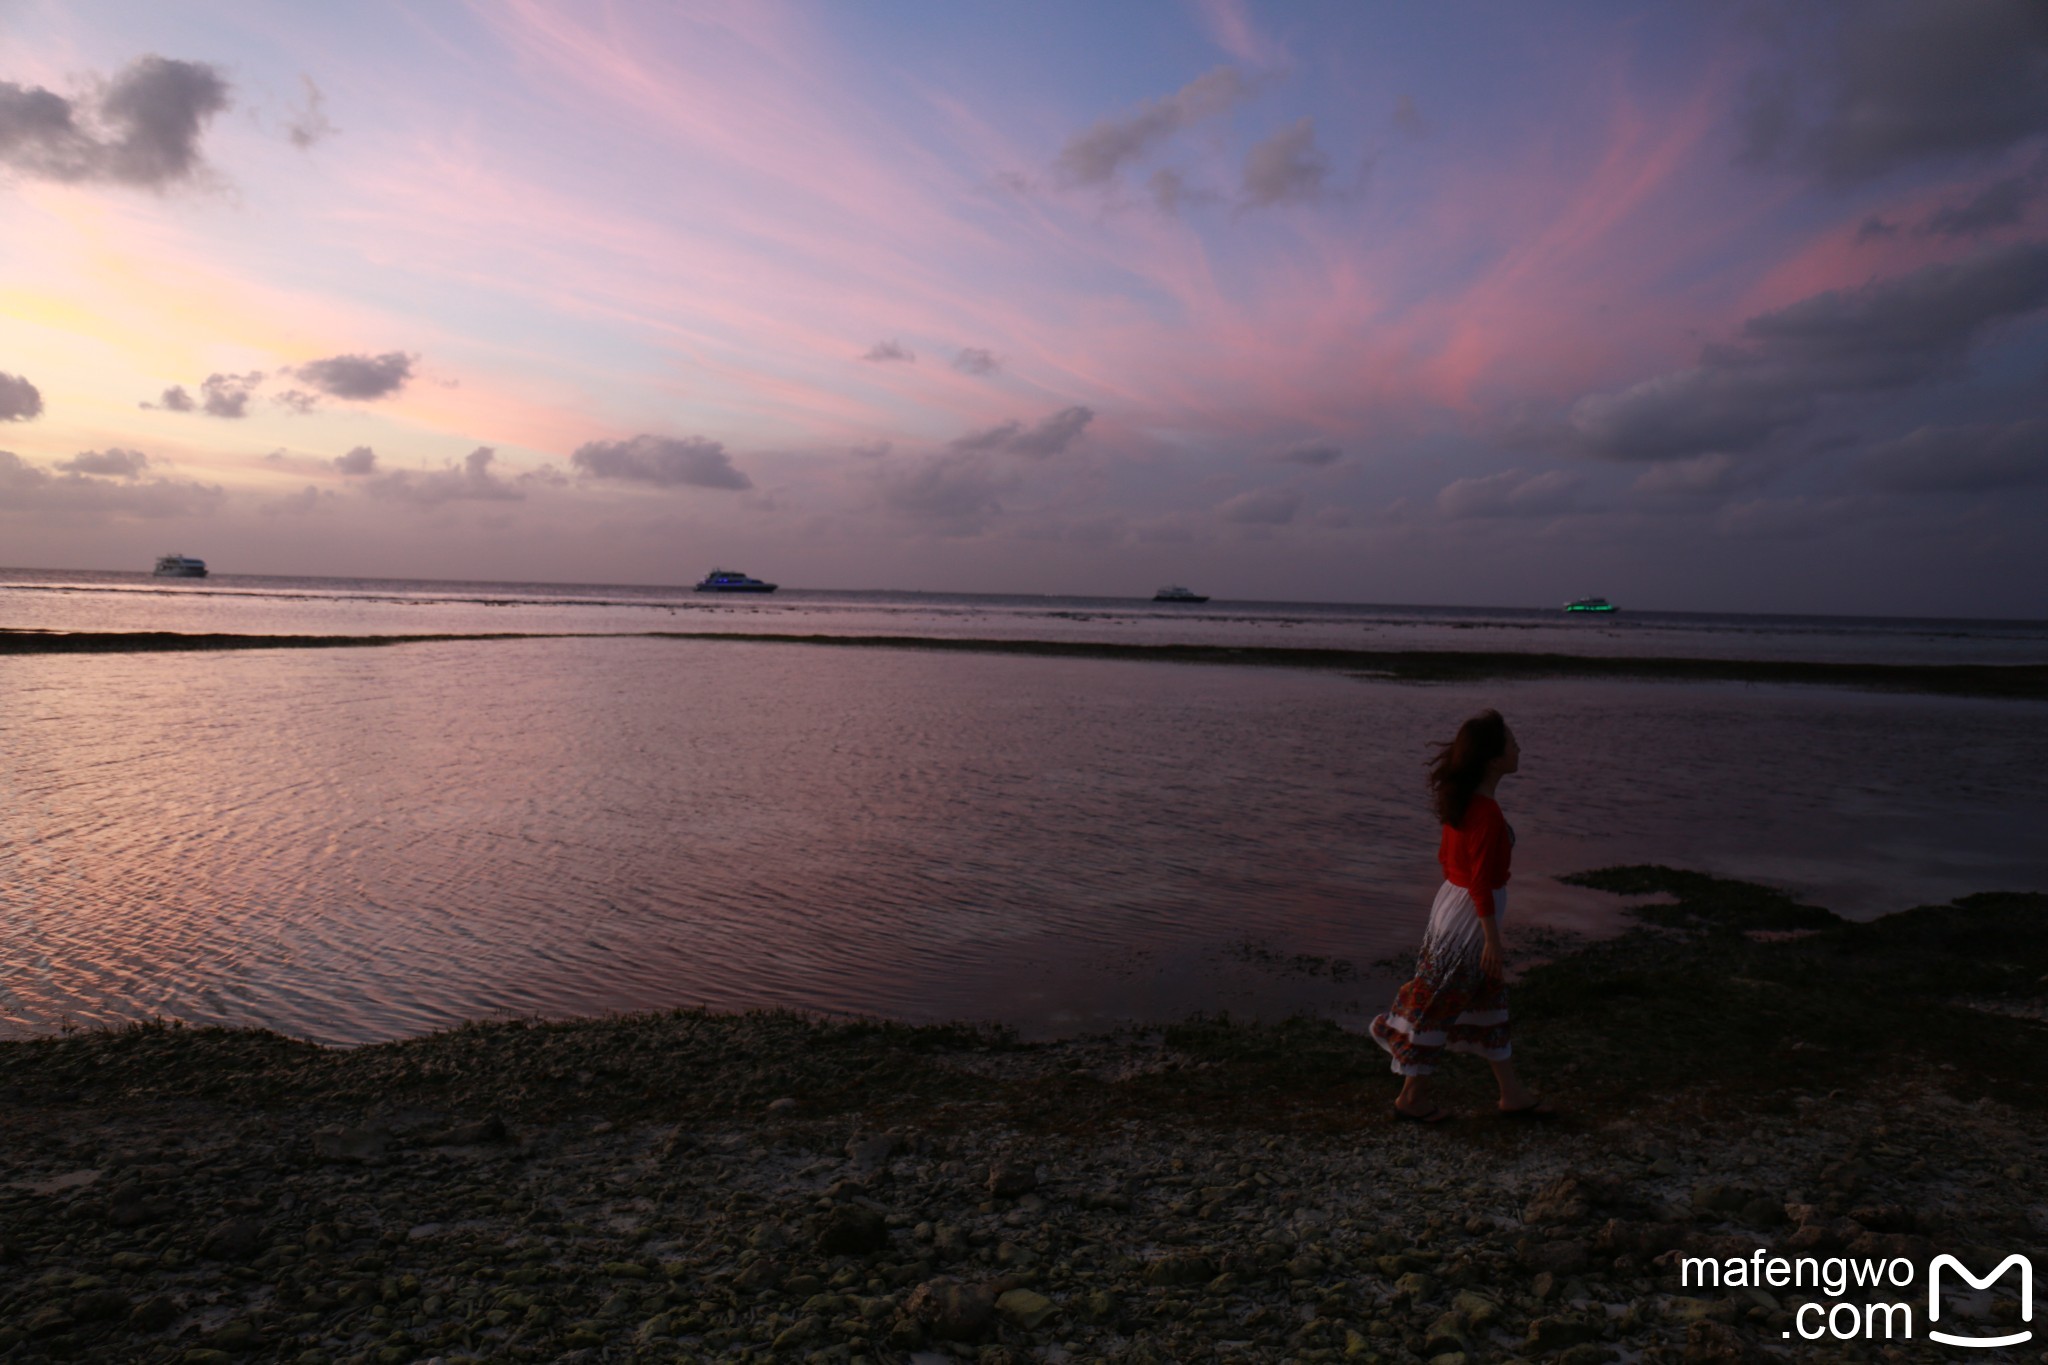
1591, 604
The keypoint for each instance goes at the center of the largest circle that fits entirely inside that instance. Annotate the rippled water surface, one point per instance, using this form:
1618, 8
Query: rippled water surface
352, 844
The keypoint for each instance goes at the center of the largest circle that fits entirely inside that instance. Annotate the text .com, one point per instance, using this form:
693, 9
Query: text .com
1863, 1318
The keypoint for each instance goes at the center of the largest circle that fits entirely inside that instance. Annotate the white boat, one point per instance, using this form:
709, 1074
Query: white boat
180, 566
1591, 604
1173, 592
729, 580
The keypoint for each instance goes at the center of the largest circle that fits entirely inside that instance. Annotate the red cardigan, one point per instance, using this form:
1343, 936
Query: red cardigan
1475, 854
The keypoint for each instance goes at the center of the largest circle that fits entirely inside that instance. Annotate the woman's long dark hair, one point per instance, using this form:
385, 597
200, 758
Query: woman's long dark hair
1460, 764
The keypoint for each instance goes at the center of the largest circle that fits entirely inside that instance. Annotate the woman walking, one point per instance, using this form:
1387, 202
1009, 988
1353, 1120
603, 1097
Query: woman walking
1458, 1001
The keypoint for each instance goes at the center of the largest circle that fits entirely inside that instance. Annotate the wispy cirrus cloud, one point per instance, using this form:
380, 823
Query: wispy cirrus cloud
1094, 156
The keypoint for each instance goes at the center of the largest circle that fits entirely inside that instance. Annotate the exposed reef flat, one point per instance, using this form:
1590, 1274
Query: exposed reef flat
2019, 681
1740, 1070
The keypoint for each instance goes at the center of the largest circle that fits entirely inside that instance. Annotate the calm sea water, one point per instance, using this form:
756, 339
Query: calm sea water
356, 844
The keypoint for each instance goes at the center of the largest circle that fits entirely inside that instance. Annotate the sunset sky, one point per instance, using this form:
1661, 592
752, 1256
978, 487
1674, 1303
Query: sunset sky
1701, 306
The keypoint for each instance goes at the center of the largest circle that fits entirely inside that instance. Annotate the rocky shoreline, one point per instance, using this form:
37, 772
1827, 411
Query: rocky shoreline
1740, 1071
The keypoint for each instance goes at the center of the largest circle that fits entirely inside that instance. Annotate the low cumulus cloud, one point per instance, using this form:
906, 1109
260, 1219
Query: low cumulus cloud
1094, 156
1261, 507
1287, 167
1962, 459
1314, 454
227, 395
883, 352
1050, 436
976, 360
20, 401
357, 462
1886, 335
113, 463
30, 488
960, 492
470, 481
1702, 476
1794, 518
174, 399
358, 378
1892, 84
305, 502
141, 128
662, 461
1510, 493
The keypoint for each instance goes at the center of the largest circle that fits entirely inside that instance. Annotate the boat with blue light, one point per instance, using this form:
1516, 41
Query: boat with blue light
1173, 592
180, 566
730, 580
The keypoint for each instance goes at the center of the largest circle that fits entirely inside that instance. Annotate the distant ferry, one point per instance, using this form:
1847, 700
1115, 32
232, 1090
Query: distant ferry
180, 566
1173, 592
725, 580
1591, 604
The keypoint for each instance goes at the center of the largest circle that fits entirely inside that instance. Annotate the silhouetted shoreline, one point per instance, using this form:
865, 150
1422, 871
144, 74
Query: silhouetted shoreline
2012, 681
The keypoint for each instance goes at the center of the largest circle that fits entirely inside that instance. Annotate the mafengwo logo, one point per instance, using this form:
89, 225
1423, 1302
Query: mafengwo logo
2026, 1269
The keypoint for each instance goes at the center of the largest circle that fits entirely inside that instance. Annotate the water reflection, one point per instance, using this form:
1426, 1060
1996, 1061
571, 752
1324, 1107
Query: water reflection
358, 844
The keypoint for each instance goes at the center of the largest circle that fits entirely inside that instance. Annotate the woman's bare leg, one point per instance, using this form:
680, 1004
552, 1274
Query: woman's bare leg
1414, 1096
1513, 1094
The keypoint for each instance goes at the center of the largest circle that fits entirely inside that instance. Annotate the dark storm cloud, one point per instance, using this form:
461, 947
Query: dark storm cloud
960, 490
30, 488
1094, 156
663, 461
113, 462
976, 360
1905, 81
20, 401
358, 377
1965, 459
359, 461
1051, 436
884, 351
1889, 334
2003, 203
1510, 493
470, 481
141, 128
1286, 167
1314, 454
1261, 507
174, 399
